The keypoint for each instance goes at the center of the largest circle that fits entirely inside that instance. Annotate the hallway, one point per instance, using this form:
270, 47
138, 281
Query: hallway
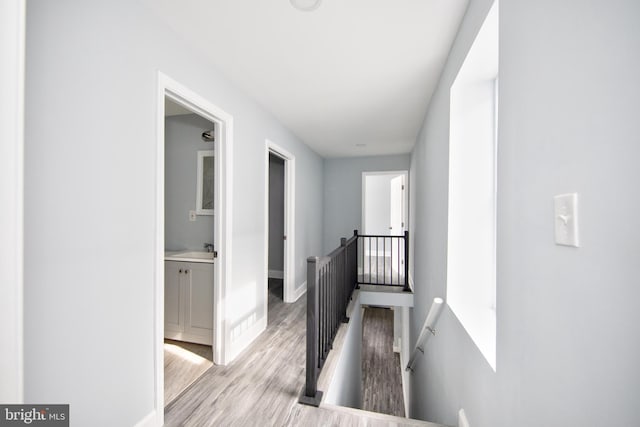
262, 386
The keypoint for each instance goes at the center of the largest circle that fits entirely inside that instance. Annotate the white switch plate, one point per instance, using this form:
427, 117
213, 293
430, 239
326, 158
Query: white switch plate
192, 216
462, 419
566, 219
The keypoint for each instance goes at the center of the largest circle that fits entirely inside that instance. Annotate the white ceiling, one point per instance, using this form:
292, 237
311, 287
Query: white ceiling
351, 72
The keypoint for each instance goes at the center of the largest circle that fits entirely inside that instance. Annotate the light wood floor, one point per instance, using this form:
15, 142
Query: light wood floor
184, 363
261, 387
381, 375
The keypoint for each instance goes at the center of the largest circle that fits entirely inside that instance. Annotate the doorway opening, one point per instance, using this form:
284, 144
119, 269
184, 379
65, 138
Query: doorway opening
193, 238
384, 222
277, 236
279, 225
384, 203
189, 246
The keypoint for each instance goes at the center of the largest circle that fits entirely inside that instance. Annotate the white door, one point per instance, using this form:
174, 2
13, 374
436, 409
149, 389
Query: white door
199, 285
396, 206
173, 296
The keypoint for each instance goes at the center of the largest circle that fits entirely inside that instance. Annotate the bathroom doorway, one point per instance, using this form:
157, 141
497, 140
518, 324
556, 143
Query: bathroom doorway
193, 238
189, 210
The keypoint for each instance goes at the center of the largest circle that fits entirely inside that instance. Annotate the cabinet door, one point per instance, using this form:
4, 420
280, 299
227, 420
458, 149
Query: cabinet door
199, 313
173, 297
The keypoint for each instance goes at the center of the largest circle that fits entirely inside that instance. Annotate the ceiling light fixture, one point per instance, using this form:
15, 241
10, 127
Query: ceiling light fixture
306, 5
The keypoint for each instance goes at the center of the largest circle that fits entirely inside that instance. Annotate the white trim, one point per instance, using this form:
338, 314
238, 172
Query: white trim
405, 377
12, 50
299, 291
288, 288
276, 274
374, 295
150, 420
180, 94
405, 196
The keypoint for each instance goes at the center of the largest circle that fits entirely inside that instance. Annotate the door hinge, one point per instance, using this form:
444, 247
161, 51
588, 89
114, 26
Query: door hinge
403, 225
403, 186
284, 237
215, 254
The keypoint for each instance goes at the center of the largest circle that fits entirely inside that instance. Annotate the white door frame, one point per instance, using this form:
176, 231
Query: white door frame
180, 94
12, 51
288, 270
405, 195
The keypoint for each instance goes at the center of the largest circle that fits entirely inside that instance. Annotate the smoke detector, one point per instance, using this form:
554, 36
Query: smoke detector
306, 5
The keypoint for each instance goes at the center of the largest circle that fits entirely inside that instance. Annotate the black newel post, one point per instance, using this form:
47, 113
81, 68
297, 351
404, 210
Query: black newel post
311, 395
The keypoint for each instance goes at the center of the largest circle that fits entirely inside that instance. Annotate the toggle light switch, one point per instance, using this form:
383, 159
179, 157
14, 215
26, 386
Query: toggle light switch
192, 215
566, 219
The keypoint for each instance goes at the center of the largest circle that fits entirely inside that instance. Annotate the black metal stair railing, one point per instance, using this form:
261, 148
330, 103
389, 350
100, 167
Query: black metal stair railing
384, 260
330, 284
331, 280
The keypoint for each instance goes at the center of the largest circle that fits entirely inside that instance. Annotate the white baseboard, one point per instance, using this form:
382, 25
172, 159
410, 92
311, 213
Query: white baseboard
246, 339
405, 378
301, 290
149, 420
276, 274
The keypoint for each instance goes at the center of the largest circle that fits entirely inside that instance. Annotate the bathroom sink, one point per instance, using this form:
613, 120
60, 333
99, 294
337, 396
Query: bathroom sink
195, 254
190, 256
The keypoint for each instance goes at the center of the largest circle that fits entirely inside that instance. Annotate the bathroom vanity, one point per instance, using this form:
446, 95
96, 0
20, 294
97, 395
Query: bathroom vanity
188, 296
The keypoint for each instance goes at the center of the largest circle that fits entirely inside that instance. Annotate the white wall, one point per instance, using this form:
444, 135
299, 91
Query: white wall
182, 143
12, 39
567, 321
89, 202
345, 388
343, 193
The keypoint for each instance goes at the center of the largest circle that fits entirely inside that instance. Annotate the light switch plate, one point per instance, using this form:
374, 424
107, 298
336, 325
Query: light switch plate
192, 216
566, 219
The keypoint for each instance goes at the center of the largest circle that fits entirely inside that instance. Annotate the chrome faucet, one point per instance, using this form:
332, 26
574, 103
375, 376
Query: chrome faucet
208, 247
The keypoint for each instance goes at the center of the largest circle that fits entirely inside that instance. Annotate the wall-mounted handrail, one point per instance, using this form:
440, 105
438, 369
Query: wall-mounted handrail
428, 329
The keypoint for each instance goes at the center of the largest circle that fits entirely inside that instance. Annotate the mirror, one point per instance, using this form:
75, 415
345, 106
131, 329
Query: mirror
205, 187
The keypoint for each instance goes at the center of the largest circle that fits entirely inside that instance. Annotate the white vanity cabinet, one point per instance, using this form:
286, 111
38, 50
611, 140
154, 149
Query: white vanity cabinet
188, 301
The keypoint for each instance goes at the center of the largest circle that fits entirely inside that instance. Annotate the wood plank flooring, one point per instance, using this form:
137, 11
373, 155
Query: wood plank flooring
381, 374
184, 363
261, 387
